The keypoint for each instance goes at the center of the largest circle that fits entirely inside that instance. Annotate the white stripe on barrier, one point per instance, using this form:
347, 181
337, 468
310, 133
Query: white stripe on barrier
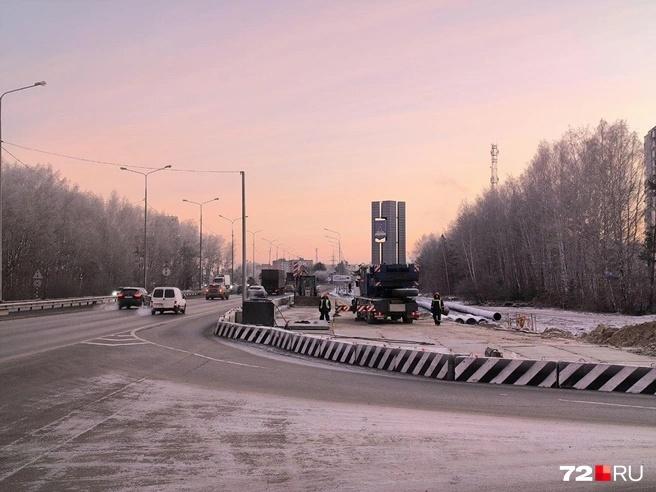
590, 377
530, 374
613, 382
487, 365
643, 382
507, 371
570, 369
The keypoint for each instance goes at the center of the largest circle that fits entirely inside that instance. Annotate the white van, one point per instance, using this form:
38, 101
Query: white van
167, 299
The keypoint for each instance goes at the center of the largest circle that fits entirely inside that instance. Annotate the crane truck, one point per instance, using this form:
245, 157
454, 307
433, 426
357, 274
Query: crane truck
387, 292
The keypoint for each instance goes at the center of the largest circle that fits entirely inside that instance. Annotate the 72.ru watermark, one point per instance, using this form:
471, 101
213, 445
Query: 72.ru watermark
601, 473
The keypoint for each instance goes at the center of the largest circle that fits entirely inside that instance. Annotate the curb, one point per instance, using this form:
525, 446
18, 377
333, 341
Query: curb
452, 367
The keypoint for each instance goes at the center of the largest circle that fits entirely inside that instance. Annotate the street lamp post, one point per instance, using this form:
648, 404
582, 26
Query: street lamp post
339, 242
333, 242
232, 245
254, 233
145, 241
200, 241
271, 244
35, 84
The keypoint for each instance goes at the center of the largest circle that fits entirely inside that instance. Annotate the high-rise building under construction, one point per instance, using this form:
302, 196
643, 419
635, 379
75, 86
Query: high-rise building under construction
388, 239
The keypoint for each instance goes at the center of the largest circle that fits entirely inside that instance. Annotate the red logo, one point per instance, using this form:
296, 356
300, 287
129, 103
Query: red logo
602, 473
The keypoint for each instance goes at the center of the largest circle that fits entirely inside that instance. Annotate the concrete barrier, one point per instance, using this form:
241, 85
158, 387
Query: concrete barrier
408, 361
451, 367
607, 377
518, 372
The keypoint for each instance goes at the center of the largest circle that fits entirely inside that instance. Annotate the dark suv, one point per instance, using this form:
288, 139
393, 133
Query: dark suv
132, 296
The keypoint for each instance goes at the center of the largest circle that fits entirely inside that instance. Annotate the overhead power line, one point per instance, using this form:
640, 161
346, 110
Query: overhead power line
15, 158
110, 163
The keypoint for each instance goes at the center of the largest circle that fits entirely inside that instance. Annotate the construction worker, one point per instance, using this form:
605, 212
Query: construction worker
324, 307
437, 306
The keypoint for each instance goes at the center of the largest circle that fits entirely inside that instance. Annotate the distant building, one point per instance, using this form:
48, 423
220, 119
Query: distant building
650, 174
388, 232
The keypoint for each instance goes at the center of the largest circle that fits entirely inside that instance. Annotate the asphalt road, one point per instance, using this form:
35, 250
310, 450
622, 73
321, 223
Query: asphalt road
102, 399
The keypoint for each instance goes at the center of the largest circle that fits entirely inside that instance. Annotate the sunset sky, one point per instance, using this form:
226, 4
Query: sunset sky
326, 105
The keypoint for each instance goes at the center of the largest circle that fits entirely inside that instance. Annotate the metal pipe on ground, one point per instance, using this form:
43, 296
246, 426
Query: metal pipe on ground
484, 313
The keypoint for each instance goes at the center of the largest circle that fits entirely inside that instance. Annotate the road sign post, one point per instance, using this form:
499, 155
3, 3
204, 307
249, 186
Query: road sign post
37, 281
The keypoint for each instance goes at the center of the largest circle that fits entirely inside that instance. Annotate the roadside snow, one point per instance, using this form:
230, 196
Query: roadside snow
575, 322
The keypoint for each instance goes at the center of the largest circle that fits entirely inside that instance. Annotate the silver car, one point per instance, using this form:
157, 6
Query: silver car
255, 291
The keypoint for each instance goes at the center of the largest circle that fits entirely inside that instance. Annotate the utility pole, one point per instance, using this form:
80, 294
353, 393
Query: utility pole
232, 244
254, 233
243, 234
200, 242
35, 84
145, 240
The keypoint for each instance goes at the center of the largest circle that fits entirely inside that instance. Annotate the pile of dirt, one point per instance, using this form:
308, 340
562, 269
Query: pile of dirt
556, 333
641, 337
600, 335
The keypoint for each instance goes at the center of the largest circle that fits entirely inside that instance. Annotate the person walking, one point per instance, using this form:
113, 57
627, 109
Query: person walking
437, 306
324, 307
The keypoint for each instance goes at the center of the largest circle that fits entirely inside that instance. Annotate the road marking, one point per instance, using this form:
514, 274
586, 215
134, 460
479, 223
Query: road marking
114, 344
607, 404
120, 340
195, 354
77, 342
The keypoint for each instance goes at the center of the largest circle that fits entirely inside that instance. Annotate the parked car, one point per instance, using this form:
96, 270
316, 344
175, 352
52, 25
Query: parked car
168, 299
126, 297
217, 290
256, 291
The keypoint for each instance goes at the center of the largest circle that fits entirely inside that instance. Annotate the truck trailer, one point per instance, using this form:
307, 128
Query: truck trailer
387, 292
273, 281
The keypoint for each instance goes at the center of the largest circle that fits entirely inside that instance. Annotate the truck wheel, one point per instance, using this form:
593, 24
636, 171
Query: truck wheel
176, 310
370, 318
407, 320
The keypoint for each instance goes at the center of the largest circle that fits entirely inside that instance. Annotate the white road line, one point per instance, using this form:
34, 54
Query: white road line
227, 361
195, 354
607, 404
64, 345
118, 344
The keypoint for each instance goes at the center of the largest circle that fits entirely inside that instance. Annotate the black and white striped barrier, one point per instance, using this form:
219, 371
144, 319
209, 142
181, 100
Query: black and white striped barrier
450, 367
519, 372
416, 362
607, 377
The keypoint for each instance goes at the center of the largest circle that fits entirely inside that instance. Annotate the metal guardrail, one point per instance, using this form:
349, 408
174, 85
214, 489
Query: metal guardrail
42, 305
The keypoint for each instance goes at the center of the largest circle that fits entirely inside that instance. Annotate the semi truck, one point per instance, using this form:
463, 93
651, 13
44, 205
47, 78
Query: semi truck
273, 281
387, 292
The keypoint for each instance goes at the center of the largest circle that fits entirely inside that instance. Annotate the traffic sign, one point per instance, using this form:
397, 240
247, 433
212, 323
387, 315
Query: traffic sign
37, 279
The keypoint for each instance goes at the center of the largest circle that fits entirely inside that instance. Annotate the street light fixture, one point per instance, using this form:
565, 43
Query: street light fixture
35, 84
232, 245
254, 233
200, 242
145, 241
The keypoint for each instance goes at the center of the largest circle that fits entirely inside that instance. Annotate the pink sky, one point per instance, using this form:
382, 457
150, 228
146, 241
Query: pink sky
326, 105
